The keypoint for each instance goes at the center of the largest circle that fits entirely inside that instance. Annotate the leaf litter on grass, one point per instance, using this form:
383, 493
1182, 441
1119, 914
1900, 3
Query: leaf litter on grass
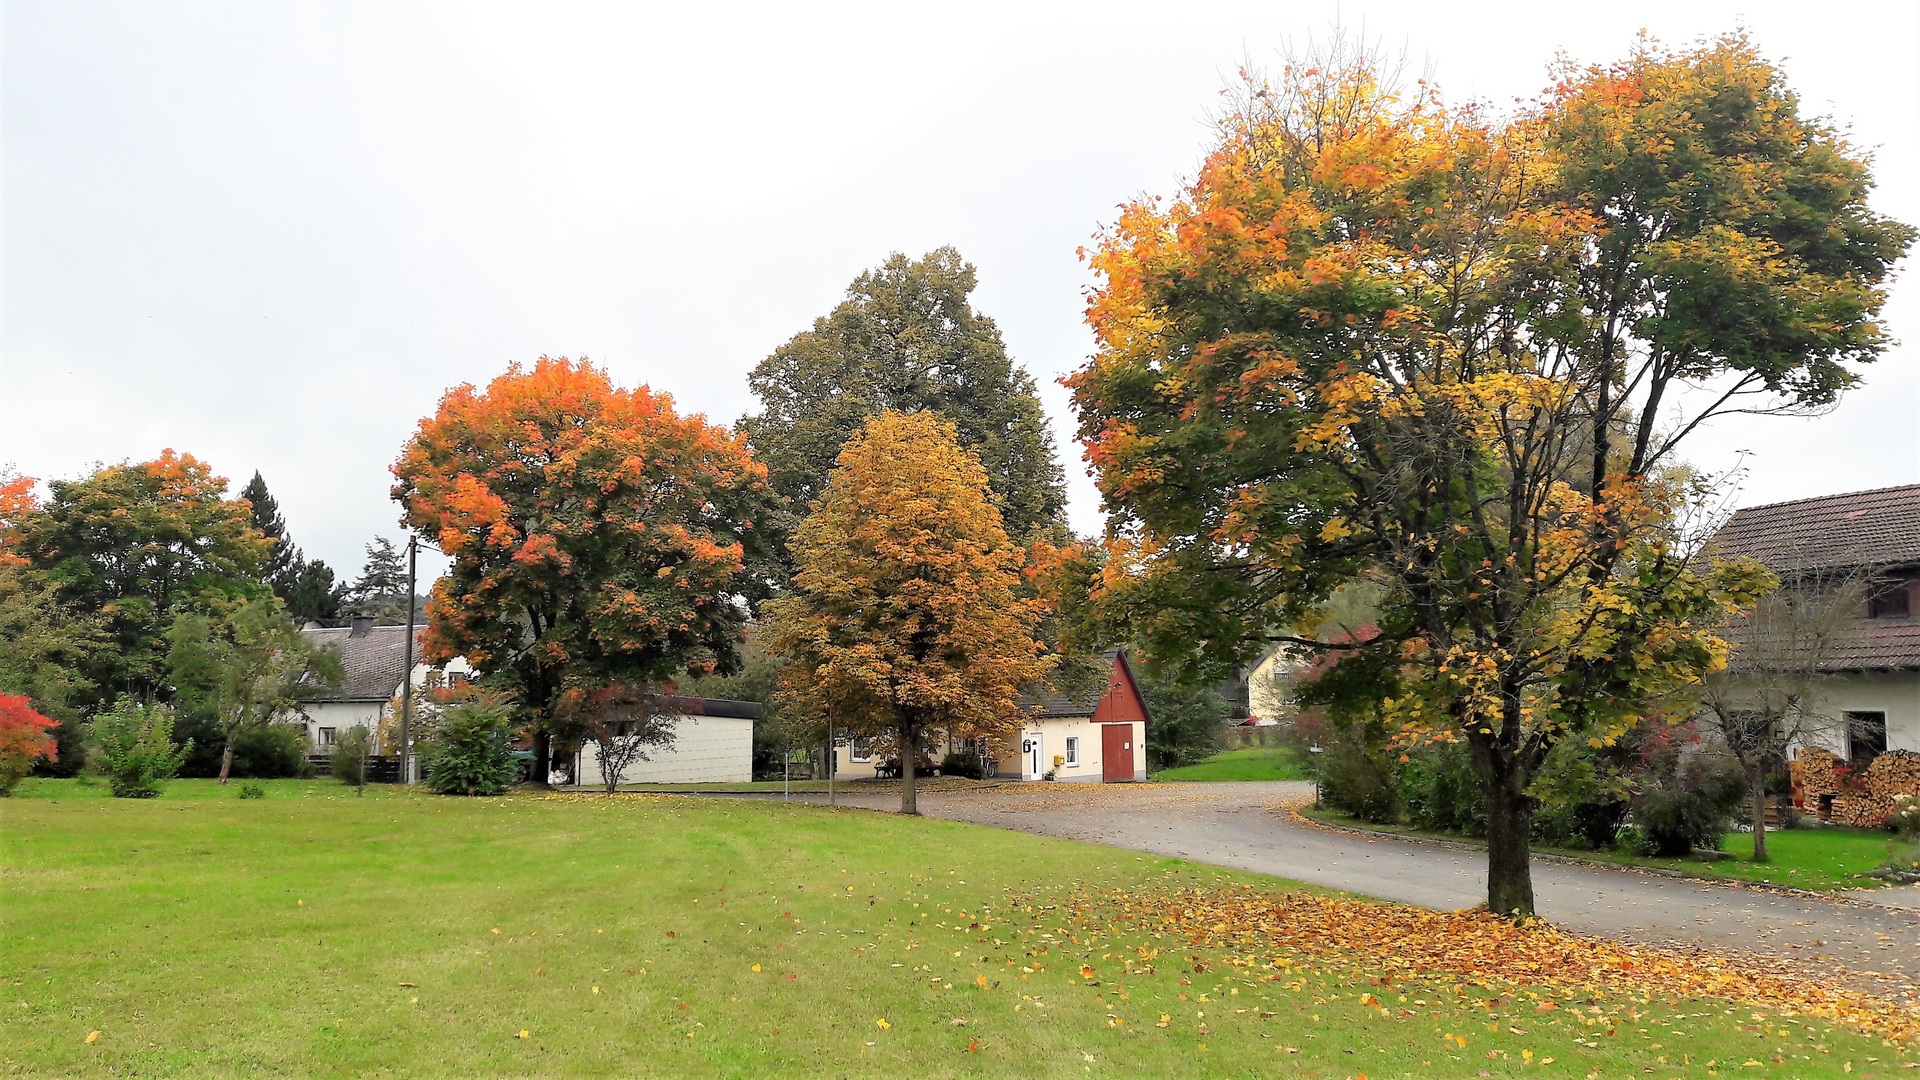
1277, 936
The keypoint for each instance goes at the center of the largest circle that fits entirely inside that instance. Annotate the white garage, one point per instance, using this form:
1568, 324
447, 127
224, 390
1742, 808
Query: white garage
712, 744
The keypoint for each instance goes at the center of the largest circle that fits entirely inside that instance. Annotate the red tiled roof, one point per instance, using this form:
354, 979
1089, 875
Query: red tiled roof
1832, 532
1841, 533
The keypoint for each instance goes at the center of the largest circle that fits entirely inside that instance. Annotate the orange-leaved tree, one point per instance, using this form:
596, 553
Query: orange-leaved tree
137, 544
1384, 339
597, 536
24, 739
905, 616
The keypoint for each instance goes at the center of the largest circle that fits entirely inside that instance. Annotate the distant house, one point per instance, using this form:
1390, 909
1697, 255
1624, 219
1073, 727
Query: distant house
1095, 737
1271, 686
375, 662
1871, 681
712, 744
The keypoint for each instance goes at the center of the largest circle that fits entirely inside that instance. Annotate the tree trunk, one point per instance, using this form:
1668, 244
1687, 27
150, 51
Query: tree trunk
226, 759
1509, 852
1757, 776
542, 757
909, 758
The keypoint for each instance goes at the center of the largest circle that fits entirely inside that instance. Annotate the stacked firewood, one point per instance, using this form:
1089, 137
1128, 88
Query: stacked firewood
1866, 803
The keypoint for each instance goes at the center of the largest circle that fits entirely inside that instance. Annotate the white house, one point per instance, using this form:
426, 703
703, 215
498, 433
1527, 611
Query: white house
374, 659
1088, 738
1271, 686
1871, 680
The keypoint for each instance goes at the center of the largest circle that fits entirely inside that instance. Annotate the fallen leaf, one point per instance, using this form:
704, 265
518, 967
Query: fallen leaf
92, 1036
881, 1024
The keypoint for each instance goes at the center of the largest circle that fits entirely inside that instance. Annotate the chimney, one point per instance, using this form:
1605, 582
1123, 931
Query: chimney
362, 626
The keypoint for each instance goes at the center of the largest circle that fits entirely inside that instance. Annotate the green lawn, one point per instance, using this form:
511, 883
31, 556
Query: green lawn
1258, 763
316, 933
1816, 859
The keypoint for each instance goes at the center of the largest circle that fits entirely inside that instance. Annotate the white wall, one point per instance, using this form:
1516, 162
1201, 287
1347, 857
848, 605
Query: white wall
1053, 735
1270, 687
1896, 694
339, 715
705, 750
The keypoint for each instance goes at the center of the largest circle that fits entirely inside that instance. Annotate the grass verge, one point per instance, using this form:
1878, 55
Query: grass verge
1817, 860
316, 933
1256, 763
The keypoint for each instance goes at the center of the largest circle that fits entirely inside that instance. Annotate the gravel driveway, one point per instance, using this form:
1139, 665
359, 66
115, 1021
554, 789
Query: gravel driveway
1245, 825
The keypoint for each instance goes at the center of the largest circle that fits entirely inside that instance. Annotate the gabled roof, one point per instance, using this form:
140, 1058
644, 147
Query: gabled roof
1832, 532
1048, 703
375, 663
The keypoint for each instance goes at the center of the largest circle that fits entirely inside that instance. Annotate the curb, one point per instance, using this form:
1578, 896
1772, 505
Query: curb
1294, 812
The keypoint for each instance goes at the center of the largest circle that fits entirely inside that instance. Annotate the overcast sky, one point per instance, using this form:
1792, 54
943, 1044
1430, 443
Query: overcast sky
272, 235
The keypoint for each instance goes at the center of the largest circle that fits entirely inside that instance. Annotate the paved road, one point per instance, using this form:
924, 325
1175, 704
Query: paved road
1243, 826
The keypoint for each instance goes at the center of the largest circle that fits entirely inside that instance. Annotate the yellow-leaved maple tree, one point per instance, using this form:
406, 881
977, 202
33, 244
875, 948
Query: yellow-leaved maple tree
904, 617
1383, 339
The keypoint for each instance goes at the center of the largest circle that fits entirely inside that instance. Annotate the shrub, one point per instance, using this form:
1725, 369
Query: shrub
967, 765
1580, 795
253, 789
1357, 780
133, 745
1438, 789
1688, 802
23, 740
1905, 821
349, 764
471, 750
1631, 840
271, 751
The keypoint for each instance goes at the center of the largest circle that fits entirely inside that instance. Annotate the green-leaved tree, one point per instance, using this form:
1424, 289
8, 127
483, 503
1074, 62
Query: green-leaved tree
907, 338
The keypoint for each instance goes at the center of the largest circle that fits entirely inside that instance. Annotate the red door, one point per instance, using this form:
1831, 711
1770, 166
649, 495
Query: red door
1116, 752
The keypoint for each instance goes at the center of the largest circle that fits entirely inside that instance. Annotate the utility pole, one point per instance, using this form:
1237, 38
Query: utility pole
406, 684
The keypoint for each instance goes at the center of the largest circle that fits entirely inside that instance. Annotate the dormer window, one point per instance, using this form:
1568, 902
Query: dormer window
1889, 599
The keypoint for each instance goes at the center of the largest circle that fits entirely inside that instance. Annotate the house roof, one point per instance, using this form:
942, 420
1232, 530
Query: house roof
1862, 529
1049, 703
375, 663
1832, 532
1860, 645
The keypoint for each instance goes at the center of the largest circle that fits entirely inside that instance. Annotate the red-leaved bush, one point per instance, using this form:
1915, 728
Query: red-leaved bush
23, 738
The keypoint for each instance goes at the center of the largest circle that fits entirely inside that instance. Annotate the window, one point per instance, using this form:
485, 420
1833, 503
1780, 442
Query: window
326, 736
1889, 599
1073, 750
860, 750
1866, 735
458, 678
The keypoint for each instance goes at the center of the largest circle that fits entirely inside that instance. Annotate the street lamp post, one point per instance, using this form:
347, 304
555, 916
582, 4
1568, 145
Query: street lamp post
406, 682
1316, 750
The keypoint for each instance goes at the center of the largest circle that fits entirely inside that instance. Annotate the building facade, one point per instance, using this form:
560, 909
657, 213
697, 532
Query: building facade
1867, 688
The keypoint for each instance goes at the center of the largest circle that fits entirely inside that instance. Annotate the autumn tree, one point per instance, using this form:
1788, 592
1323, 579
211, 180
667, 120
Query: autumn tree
597, 536
46, 645
904, 619
137, 544
907, 338
248, 666
24, 739
1383, 338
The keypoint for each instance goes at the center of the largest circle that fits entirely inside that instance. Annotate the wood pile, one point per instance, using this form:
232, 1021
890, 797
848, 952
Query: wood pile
1865, 804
